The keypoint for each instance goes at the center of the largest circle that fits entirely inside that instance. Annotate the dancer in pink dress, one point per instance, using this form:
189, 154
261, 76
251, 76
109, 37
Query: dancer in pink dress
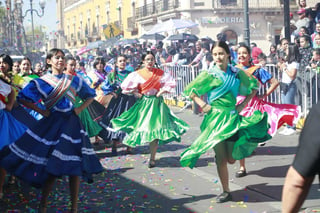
278, 114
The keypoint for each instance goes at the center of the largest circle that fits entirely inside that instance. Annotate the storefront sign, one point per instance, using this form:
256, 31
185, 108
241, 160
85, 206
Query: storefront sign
221, 20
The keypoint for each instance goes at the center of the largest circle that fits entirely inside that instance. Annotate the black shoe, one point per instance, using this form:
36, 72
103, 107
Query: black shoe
262, 144
152, 163
224, 197
241, 173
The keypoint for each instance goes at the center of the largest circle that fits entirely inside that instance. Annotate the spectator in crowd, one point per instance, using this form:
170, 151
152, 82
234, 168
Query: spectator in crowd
305, 51
302, 3
272, 57
192, 52
160, 55
315, 66
316, 43
199, 60
173, 57
305, 166
303, 31
317, 31
183, 57
292, 29
317, 13
233, 52
221, 37
255, 51
262, 60
284, 44
198, 47
205, 50
303, 21
289, 65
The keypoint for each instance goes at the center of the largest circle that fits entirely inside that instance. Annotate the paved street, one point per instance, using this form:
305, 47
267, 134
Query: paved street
127, 185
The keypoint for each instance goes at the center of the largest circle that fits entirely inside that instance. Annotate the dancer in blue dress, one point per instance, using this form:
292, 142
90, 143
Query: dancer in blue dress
119, 103
58, 145
11, 129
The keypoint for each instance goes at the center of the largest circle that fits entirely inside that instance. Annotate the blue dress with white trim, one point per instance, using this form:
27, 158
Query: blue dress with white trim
11, 129
57, 145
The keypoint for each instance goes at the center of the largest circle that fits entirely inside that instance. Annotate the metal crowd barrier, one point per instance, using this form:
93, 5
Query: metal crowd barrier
183, 76
308, 90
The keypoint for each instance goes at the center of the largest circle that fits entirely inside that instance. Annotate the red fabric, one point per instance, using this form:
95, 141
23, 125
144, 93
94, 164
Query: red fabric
278, 114
3, 99
152, 82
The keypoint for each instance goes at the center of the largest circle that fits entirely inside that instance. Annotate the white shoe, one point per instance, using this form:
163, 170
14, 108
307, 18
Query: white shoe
289, 131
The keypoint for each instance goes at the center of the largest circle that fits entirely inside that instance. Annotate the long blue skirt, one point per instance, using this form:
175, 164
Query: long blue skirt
11, 129
20, 113
58, 145
115, 108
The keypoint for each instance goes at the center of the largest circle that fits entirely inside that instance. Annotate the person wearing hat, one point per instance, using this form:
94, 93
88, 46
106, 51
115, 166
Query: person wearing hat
191, 52
303, 20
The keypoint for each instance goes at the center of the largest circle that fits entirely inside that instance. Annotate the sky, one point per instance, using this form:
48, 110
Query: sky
49, 19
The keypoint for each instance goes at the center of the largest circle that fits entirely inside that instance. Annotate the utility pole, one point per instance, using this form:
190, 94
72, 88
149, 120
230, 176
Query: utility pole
286, 13
246, 23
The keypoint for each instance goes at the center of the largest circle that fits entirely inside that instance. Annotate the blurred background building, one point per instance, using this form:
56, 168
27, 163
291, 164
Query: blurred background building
85, 21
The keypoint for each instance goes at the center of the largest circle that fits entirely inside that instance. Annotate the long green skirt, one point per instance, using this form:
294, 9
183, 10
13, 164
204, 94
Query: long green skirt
147, 120
222, 125
92, 127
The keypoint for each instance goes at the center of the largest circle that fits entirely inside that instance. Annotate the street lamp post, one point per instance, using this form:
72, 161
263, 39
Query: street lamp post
42, 4
246, 22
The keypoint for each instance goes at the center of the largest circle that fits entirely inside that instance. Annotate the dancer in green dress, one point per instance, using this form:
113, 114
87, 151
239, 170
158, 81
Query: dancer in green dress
232, 136
149, 120
92, 127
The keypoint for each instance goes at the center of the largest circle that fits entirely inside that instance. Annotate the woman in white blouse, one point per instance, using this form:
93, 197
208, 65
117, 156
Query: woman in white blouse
288, 68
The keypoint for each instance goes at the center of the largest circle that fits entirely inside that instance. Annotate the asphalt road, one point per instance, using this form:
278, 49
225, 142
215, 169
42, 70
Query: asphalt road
128, 185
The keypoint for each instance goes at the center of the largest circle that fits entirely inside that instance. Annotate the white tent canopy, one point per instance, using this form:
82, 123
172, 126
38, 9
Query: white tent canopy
171, 25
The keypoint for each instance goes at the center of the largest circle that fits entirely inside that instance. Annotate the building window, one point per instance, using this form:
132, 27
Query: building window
198, 4
228, 2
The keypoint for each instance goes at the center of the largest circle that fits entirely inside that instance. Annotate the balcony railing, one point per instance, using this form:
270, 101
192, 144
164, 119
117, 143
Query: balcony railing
252, 4
158, 7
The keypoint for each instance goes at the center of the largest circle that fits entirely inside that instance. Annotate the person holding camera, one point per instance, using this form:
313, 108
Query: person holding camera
288, 67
